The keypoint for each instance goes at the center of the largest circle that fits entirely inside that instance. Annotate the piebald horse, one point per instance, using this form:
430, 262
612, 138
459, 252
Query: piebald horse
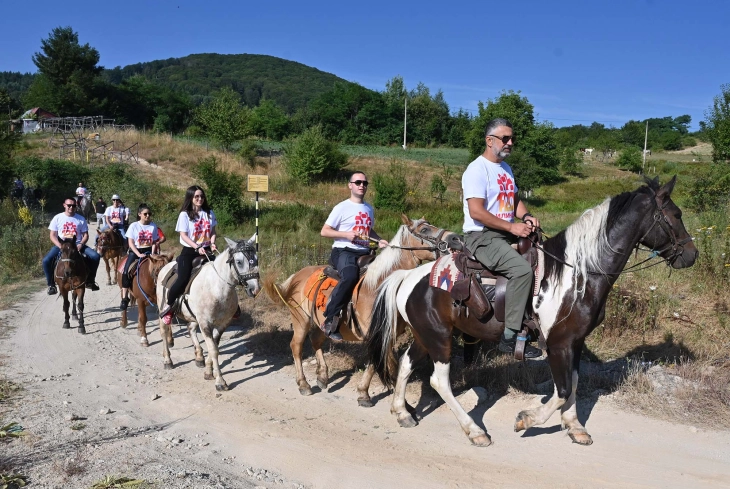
415, 241
581, 264
212, 302
70, 276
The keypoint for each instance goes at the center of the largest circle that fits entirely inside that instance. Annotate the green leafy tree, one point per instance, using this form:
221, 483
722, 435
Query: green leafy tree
223, 119
312, 157
67, 73
268, 121
509, 105
717, 125
8, 143
630, 159
391, 188
570, 162
223, 189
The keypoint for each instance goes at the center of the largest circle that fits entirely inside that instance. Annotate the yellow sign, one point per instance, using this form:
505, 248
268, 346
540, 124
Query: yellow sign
258, 183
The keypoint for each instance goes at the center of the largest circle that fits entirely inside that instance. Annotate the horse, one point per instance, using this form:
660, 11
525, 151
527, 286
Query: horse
588, 151
647, 152
110, 246
86, 206
70, 276
415, 241
581, 264
143, 290
212, 302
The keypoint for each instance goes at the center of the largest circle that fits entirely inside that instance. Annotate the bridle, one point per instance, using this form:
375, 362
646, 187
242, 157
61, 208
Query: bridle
72, 261
439, 247
249, 252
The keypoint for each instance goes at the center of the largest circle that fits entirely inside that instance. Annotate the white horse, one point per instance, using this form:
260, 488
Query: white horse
589, 151
647, 152
212, 302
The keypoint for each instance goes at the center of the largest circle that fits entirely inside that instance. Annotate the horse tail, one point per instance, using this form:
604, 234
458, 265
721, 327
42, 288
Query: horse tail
278, 293
383, 329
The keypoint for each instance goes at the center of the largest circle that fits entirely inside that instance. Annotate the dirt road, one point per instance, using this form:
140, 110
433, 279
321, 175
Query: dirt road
263, 433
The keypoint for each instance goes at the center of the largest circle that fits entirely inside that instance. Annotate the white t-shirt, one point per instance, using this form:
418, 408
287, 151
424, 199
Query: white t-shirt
199, 230
493, 182
143, 235
351, 216
116, 215
68, 226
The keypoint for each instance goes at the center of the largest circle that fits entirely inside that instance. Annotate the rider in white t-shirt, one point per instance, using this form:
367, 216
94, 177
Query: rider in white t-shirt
117, 216
491, 202
350, 224
141, 236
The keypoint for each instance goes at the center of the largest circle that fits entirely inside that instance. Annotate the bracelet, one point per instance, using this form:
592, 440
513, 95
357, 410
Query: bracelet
527, 214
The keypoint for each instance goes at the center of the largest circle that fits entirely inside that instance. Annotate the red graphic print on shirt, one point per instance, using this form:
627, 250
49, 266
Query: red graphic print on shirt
68, 230
144, 238
201, 231
362, 227
506, 197
115, 216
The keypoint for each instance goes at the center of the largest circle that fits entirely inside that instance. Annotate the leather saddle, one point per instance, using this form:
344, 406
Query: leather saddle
198, 263
362, 263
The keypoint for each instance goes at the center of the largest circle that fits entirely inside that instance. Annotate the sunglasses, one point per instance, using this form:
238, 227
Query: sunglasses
116, 200
198, 196
364, 183
504, 139
70, 205
145, 213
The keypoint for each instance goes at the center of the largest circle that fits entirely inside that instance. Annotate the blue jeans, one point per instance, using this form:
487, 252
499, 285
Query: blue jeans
91, 257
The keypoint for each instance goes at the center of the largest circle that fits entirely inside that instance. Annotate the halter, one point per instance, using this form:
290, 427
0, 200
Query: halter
249, 252
440, 247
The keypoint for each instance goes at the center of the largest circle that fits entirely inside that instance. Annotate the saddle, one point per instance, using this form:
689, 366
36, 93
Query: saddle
170, 279
482, 291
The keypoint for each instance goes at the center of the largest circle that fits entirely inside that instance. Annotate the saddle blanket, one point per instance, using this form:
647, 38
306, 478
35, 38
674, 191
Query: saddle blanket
311, 286
444, 273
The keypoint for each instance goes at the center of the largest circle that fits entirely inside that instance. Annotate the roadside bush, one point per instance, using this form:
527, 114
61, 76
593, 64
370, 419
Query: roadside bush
248, 152
711, 190
57, 179
570, 162
21, 250
630, 159
223, 190
391, 188
312, 157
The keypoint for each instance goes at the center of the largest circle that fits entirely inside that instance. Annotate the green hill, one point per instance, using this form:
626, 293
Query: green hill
288, 83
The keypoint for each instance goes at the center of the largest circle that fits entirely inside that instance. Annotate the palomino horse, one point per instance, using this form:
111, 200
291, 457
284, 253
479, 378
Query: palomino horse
212, 302
110, 246
70, 274
581, 265
406, 251
143, 290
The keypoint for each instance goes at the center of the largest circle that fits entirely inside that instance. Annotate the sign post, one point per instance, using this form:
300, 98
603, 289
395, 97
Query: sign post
258, 183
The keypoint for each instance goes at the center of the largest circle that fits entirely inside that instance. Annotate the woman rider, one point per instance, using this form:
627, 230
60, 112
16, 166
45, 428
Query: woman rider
142, 237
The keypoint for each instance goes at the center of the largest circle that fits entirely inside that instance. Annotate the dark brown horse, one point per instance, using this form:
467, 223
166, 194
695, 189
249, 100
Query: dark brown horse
581, 265
70, 274
144, 290
110, 246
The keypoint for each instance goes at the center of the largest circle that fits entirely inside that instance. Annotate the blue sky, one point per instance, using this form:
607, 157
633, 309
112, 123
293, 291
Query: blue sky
576, 61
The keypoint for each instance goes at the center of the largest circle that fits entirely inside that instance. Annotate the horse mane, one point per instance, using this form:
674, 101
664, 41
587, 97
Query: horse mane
387, 260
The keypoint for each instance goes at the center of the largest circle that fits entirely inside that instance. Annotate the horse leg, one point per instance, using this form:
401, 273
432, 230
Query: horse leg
363, 396
66, 304
199, 357
561, 366
317, 338
142, 323
569, 414
80, 297
300, 327
74, 314
212, 367
108, 272
399, 407
167, 361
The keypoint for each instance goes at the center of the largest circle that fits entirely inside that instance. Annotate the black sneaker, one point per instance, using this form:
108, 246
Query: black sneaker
335, 336
124, 304
326, 326
508, 346
92, 286
52, 290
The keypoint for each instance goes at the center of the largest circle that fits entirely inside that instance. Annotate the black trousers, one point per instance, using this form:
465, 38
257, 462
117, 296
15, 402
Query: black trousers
184, 269
131, 258
345, 261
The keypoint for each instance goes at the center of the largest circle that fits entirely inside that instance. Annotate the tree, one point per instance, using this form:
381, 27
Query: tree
311, 156
570, 162
67, 73
8, 142
223, 119
268, 121
630, 159
717, 125
509, 105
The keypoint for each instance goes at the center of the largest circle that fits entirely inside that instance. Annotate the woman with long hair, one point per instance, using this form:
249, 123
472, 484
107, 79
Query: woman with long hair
196, 225
142, 236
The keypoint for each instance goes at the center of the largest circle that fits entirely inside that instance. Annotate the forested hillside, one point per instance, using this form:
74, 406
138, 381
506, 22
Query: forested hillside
289, 84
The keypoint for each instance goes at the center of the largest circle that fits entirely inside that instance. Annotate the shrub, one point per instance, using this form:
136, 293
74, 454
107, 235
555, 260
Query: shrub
711, 191
570, 162
630, 159
438, 188
248, 151
391, 188
21, 250
223, 191
311, 156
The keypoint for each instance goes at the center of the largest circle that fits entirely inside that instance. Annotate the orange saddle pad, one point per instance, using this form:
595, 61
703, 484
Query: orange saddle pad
311, 286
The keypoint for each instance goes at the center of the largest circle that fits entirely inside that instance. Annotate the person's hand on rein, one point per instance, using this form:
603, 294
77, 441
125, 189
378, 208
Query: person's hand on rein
383, 243
213, 247
521, 230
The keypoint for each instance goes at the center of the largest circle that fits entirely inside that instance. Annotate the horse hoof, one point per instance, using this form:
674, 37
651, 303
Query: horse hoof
66, 325
365, 402
407, 422
74, 317
221, 387
322, 385
200, 363
208, 376
305, 391
81, 330
581, 438
144, 342
108, 283
168, 366
482, 440
523, 421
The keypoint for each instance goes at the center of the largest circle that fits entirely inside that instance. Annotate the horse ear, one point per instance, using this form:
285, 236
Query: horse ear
231, 243
666, 190
252, 239
405, 219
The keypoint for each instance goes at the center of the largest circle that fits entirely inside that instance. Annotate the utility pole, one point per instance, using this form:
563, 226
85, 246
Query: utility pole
405, 123
646, 137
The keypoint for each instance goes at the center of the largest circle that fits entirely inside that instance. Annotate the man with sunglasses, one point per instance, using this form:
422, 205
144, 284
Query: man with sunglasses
70, 225
350, 224
491, 202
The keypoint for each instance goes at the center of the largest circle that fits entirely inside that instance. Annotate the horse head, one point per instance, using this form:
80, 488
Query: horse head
71, 259
665, 233
245, 263
427, 239
157, 263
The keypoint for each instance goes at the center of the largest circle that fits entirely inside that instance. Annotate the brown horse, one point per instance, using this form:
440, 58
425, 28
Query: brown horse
414, 242
70, 274
110, 246
144, 290
581, 265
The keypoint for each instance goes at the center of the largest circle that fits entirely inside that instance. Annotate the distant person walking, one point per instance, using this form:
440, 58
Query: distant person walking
100, 208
